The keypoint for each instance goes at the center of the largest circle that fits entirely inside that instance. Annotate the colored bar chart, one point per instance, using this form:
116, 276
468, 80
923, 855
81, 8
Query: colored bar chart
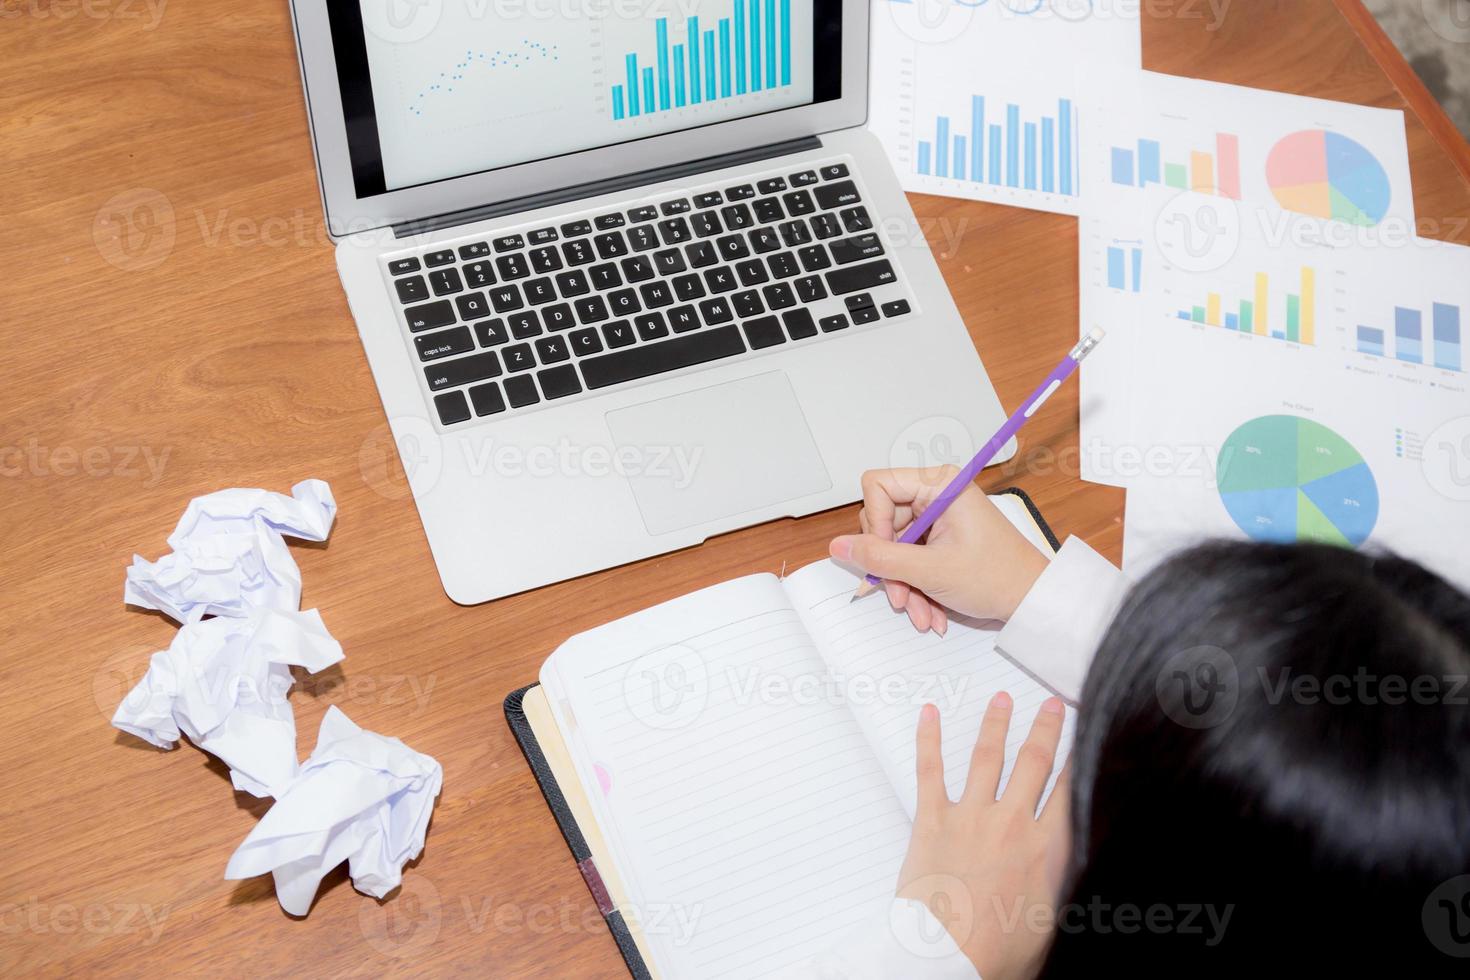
749, 51
1254, 316
1216, 173
1125, 267
1410, 345
1034, 154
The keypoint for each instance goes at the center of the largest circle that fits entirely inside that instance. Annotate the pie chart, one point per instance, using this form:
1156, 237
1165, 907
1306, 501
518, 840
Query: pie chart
1284, 478
1327, 175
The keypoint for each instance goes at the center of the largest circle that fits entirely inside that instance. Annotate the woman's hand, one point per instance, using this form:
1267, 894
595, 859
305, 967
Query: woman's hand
989, 870
975, 561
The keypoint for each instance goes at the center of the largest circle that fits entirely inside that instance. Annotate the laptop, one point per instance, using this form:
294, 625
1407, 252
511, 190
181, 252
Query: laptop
628, 273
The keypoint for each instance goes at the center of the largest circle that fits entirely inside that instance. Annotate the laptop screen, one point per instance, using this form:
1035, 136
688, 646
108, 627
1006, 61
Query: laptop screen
438, 89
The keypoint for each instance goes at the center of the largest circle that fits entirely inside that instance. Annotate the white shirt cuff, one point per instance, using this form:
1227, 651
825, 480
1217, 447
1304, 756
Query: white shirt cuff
1056, 629
906, 941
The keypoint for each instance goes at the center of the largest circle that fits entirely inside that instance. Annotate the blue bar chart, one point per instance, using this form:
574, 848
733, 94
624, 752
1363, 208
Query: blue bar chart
1125, 267
700, 61
978, 99
1439, 347
1026, 154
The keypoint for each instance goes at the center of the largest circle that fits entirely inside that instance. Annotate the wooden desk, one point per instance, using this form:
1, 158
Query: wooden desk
212, 338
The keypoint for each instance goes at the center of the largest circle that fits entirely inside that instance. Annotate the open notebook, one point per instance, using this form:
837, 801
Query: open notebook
734, 769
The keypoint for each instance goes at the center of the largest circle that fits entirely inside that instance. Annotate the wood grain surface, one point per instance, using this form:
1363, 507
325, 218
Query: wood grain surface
173, 325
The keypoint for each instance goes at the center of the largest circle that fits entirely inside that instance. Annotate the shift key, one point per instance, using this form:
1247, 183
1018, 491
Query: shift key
866, 276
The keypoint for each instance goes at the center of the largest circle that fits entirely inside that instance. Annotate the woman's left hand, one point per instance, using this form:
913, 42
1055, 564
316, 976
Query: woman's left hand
988, 868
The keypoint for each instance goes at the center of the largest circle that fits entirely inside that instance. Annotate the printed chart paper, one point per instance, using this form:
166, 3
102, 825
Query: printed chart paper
977, 100
1201, 200
1343, 418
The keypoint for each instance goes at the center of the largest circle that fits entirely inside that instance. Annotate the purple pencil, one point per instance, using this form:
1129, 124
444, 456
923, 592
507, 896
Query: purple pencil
987, 452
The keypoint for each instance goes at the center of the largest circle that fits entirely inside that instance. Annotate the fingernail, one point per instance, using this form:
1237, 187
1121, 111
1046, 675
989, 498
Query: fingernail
928, 713
1001, 700
941, 627
841, 548
1052, 706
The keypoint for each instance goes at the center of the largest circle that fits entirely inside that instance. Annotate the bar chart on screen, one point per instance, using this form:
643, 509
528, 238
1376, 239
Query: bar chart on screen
737, 50
978, 100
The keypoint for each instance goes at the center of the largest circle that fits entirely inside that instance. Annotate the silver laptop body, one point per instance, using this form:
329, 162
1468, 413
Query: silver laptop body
627, 277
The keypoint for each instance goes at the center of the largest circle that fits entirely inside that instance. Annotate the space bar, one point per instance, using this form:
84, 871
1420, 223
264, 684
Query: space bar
640, 362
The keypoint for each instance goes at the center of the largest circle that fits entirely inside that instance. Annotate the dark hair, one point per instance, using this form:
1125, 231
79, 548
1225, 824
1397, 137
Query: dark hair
1320, 816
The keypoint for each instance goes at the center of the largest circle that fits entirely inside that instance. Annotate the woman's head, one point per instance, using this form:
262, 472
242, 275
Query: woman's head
1274, 743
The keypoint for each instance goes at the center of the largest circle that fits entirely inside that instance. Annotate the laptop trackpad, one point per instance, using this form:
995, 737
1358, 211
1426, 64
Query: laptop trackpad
716, 452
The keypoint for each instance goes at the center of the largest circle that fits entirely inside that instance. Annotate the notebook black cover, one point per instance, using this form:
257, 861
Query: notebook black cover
520, 727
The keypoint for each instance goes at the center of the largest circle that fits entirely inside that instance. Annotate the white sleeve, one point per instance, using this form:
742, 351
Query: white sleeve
1056, 629
904, 942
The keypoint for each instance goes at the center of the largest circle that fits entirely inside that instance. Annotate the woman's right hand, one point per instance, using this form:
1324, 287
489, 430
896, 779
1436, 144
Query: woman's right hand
975, 561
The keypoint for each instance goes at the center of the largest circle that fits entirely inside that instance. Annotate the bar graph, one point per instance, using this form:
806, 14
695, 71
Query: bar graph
1258, 315
1216, 173
1031, 154
1440, 348
1125, 267
699, 62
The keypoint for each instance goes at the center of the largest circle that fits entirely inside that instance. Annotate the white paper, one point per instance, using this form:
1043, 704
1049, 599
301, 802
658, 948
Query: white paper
223, 682
361, 798
944, 72
1359, 438
229, 555
1193, 187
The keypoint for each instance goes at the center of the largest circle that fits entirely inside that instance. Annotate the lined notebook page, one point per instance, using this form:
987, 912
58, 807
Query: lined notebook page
753, 824
891, 671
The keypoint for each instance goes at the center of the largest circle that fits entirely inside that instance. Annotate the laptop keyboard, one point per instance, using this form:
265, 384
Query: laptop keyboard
544, 314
